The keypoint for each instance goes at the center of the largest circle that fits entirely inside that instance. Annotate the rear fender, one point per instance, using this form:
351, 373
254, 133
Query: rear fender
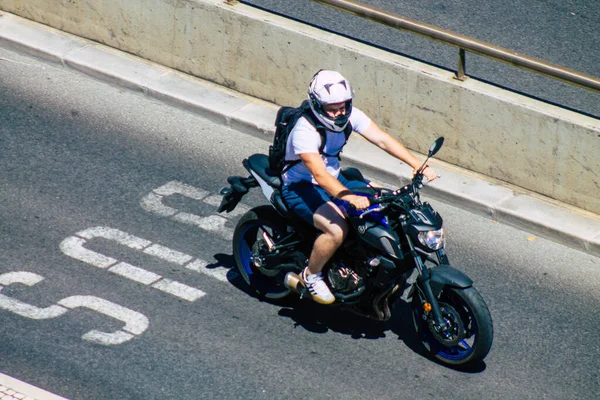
264, 185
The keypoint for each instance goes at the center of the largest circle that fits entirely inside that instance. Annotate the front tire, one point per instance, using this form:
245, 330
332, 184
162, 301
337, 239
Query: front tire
249, 246
469, 339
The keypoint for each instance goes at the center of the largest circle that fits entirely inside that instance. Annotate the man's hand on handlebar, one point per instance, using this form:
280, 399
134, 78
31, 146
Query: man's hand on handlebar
358, 202
428, 173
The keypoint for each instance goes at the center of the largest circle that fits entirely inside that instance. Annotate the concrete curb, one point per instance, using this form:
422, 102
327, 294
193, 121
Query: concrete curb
556, 221
11, 388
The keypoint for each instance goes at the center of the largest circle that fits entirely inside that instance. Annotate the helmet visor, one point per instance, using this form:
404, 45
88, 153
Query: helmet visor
339, 113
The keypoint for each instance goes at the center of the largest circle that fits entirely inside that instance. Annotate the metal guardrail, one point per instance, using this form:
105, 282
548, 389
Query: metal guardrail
465, 43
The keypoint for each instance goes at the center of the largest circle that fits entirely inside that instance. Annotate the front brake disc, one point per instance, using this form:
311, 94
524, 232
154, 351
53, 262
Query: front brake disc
454, 333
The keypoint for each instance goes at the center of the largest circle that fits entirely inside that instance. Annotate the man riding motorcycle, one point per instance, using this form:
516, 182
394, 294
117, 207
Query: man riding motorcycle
310, 185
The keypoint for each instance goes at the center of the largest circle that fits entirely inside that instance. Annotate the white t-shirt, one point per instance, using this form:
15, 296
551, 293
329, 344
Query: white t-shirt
304, 138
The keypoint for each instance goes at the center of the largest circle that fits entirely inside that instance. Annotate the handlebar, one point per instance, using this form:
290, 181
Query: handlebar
372, 210
420, 180
402, 197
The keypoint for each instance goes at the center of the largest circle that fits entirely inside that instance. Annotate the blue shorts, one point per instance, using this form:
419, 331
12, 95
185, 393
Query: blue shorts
304, 198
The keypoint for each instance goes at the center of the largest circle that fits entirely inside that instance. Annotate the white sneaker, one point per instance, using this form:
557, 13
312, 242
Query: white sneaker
317, 288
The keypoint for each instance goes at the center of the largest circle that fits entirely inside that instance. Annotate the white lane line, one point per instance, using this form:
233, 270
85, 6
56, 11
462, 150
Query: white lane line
135, 273
135, 323
74, 247
167, 254
178, 289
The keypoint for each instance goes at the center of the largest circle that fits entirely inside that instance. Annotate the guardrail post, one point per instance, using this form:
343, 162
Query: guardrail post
460, 73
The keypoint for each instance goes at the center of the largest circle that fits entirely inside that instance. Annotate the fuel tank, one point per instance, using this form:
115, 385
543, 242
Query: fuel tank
375, 232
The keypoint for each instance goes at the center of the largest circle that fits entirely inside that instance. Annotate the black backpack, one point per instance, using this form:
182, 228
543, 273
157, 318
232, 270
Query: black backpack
286, 119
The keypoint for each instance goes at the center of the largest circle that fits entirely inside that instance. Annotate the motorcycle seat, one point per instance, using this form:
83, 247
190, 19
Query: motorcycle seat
259, 163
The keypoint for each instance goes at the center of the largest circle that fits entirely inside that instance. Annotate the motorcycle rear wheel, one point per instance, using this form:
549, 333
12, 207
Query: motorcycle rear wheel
247, 243
471, 333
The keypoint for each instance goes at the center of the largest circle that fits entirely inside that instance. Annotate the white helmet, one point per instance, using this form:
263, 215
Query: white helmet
330, 87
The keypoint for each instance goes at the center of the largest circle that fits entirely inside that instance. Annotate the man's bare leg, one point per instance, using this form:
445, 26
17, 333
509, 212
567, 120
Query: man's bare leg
328, 219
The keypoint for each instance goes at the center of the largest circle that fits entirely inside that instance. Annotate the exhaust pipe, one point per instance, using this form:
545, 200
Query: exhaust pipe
293, 282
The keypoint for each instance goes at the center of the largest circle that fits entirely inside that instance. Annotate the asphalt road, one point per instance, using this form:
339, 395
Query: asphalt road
564, 33
90, 171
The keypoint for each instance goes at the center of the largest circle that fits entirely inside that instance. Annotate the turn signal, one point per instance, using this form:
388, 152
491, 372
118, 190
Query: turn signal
427, 307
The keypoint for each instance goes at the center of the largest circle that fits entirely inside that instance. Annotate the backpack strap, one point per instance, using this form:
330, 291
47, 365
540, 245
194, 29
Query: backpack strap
289, 164
308, 114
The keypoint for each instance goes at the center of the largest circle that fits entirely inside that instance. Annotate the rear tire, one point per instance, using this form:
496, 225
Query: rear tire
248, 243
472, 333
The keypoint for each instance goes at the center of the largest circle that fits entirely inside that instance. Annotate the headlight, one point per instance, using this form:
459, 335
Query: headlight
433, 240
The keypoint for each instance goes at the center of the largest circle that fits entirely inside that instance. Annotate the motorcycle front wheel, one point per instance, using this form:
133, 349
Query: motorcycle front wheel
469, 337
250, 247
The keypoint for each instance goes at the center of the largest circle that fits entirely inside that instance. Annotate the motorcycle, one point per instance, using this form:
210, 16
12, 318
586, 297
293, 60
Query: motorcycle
394, 250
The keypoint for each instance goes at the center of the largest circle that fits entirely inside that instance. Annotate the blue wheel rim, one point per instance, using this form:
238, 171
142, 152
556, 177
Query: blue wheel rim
246, 252
458, 352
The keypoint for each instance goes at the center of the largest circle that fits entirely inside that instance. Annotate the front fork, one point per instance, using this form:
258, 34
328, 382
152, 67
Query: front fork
424, 283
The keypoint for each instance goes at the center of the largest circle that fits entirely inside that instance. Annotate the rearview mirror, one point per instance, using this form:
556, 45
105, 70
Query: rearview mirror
436, 146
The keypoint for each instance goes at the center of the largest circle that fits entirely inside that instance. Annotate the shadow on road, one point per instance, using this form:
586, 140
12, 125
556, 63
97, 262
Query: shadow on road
317, 318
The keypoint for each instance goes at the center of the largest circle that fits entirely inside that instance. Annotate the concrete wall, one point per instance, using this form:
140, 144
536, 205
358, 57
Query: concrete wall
521, 141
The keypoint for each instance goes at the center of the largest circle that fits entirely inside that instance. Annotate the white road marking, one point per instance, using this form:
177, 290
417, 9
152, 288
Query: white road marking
116, 235
74, 247
22, 277
18, 389
213, 223
24, 309
135, 323
186, 190
153, 203
29, 311
168, 254
135, 273
178, 289
107, 339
